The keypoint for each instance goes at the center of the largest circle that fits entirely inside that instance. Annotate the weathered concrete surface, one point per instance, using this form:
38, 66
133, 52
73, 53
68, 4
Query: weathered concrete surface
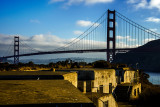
13, 92
94, 96
72, 78
39, 75
107, 101
98, 80
104, 77
129, 76
136, 90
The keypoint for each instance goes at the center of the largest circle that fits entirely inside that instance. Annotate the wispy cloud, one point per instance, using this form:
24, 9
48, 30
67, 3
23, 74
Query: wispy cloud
84, 23
144, 4
55, 1
73, 2
49, 42
43, 42
125, 37
132, 1
153, 19
76, 2
77, 32
154, 30
34, 21
97, 1
155, 4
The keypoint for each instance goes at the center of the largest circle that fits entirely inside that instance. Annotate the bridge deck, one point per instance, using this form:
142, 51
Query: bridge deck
84, 51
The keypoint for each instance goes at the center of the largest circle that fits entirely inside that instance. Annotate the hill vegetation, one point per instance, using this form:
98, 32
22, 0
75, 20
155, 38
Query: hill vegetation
148, 61
67, 64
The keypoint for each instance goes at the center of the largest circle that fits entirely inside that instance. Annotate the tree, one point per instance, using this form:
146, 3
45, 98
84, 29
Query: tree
102, 64
31, 64
51, 64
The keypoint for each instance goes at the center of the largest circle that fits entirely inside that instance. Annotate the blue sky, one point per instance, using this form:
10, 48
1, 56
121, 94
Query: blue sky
66, 19
32, 17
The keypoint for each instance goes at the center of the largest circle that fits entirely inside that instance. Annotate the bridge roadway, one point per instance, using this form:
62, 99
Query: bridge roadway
118, 50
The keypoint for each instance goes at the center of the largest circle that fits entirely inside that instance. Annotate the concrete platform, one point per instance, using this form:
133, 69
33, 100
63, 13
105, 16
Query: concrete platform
58, 93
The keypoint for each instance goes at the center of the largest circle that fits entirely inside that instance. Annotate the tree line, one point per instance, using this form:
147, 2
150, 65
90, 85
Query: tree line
67, 64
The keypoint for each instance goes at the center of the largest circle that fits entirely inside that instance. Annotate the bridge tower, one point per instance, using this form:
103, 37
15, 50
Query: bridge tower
16, 49
111, 39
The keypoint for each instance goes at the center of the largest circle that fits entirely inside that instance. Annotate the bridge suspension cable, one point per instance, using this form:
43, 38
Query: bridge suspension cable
91, 38
26, 48
130, 34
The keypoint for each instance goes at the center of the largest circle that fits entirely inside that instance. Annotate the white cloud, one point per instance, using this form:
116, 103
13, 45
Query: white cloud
153, 19
121, 42
155, 4
77, 32
124, 45
132, 1
144, 4
148, 40
48, 42
41, 42
76, 2
88, 2
34, 21
125, 37
73, 2
84, 23
55, 1
154, 30
131, 43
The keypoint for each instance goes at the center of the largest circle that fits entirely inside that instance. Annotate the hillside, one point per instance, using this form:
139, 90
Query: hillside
149, 59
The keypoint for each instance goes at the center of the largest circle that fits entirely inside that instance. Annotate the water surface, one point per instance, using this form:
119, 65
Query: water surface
154, 78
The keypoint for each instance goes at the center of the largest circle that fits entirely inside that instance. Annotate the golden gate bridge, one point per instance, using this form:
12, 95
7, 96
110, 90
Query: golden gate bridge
112, 33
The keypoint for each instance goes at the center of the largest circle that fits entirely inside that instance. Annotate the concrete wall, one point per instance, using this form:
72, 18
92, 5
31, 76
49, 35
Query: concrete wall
103, 78
98, 80
72, 78
136, 90
128, 76
107, 100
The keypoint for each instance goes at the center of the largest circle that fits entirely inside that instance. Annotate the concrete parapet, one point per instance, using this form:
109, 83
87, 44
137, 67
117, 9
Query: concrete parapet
107, 101
72, 78
136, 90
